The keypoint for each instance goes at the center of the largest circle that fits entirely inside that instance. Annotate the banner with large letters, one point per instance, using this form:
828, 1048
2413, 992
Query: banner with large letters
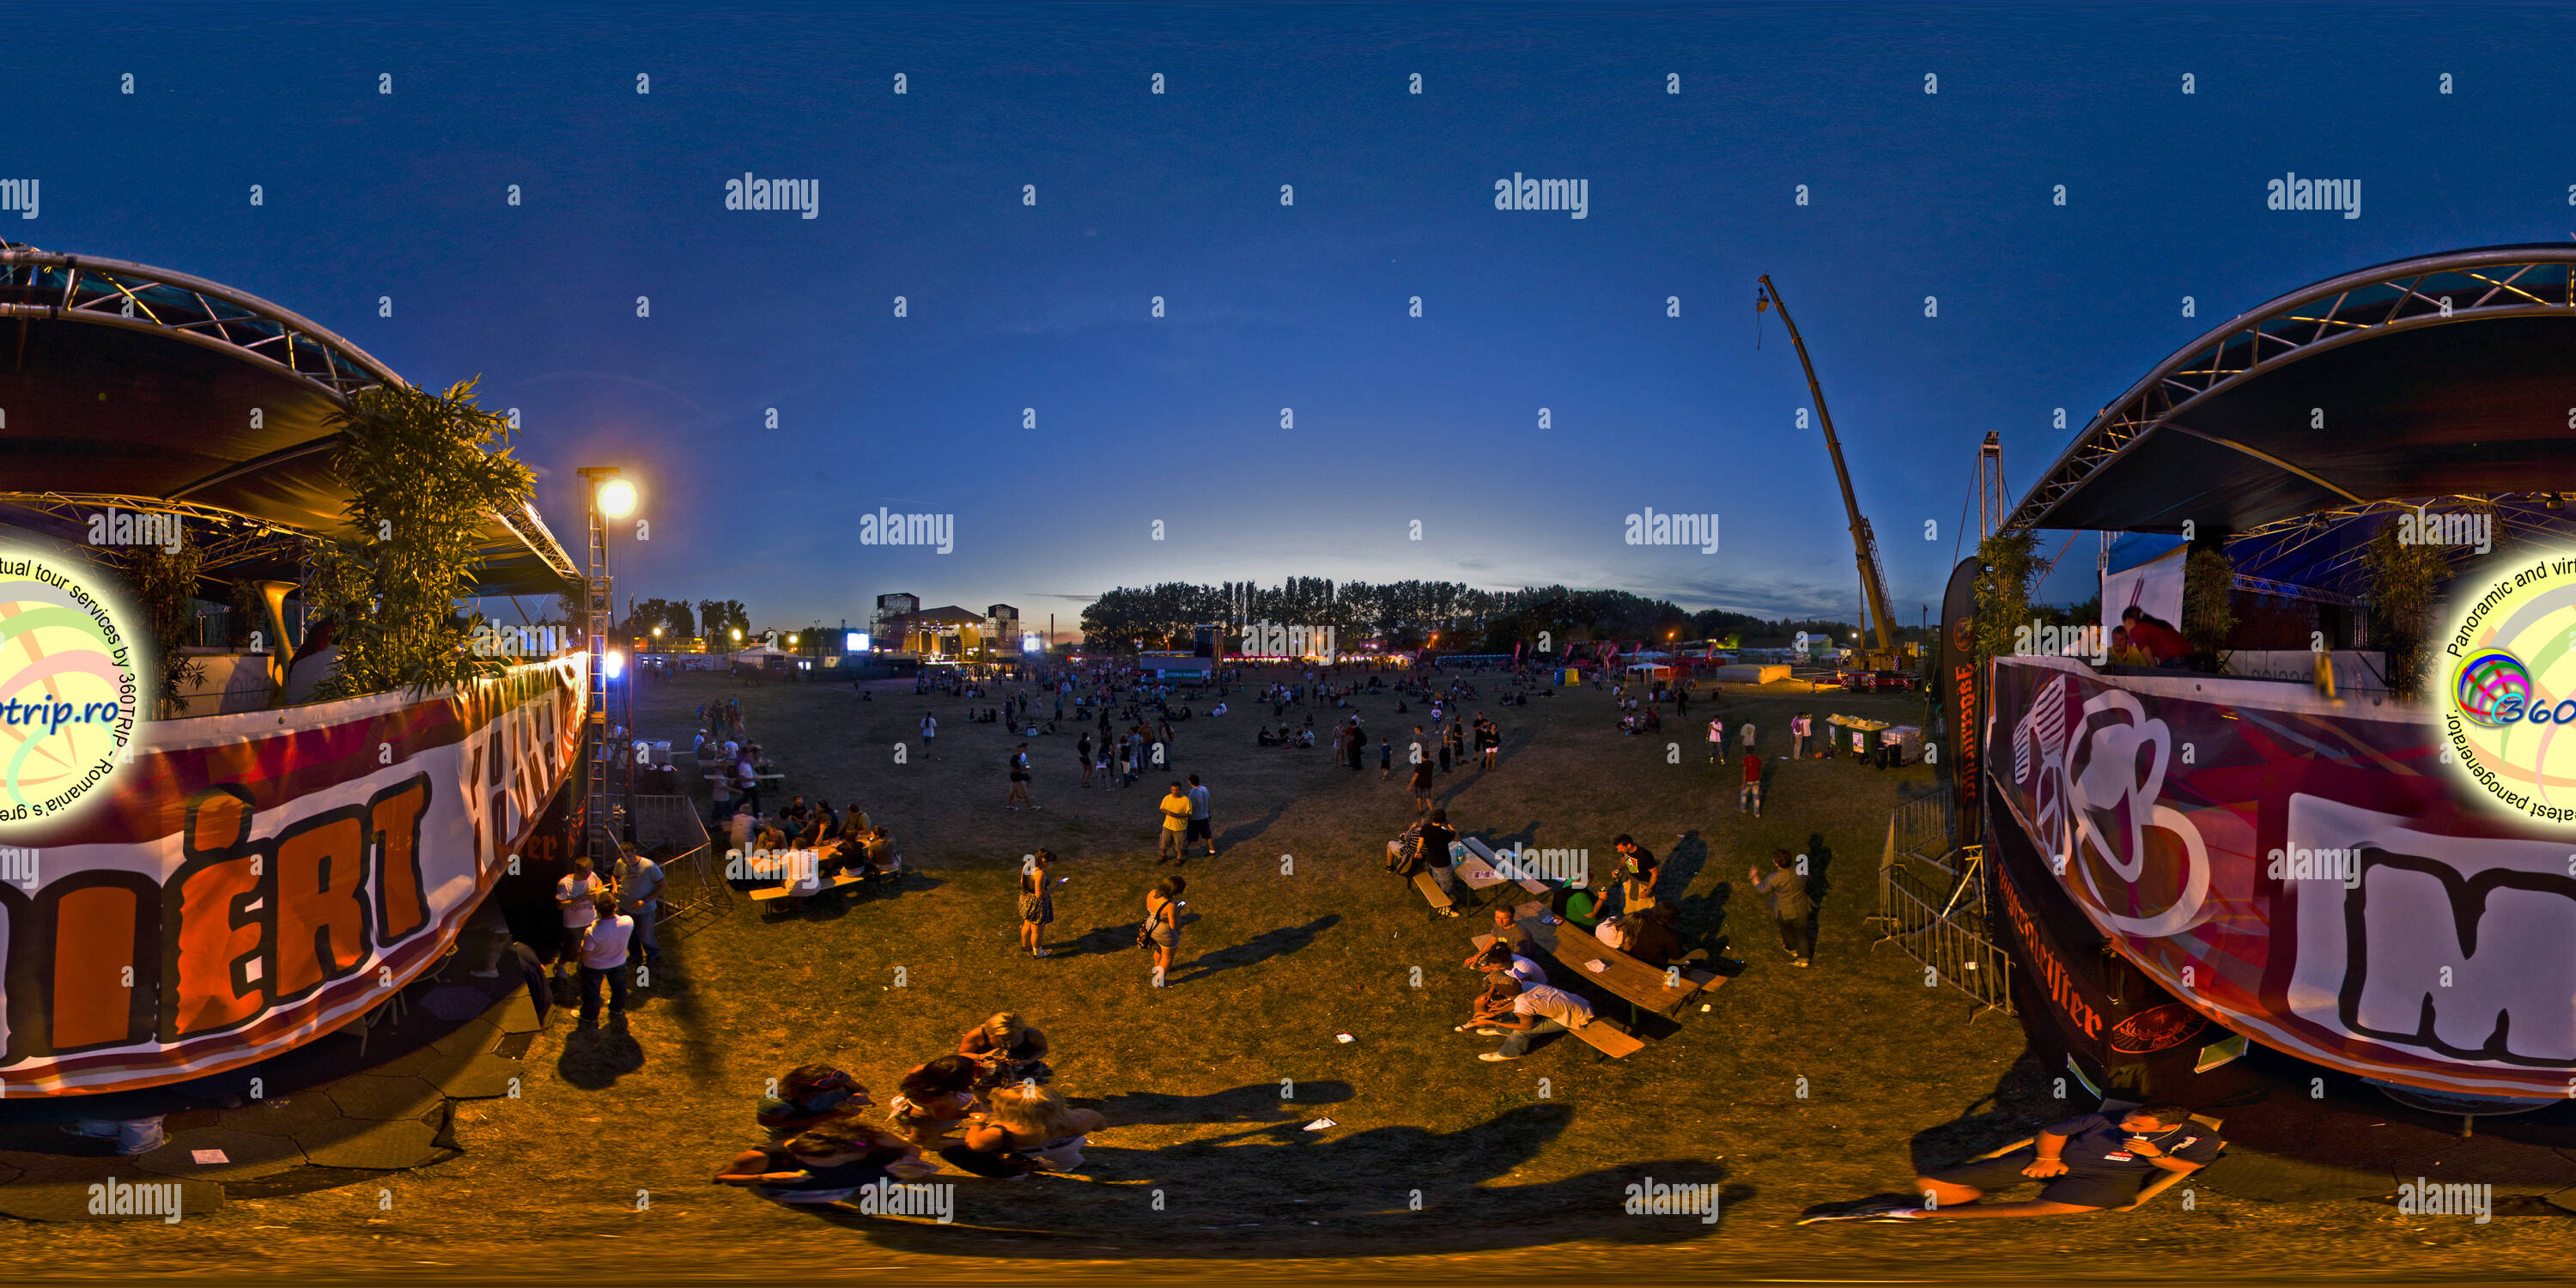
2305, 871
254, 881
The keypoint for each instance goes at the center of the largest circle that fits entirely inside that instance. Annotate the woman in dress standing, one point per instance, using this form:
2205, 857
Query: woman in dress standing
1037, 903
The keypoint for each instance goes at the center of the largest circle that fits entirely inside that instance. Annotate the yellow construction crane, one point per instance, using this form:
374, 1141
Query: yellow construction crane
1880, 664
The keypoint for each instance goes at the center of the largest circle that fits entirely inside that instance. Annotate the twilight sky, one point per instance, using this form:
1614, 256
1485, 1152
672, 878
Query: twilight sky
1270, 306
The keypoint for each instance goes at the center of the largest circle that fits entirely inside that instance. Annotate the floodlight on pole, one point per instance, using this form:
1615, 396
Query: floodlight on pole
737, 635
616, 498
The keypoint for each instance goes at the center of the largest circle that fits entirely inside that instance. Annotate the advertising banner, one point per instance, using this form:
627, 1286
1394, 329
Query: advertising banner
1963, 703
2305, 871
252, 881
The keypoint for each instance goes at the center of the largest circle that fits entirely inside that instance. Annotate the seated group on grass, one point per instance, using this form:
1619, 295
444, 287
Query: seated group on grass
984, 1110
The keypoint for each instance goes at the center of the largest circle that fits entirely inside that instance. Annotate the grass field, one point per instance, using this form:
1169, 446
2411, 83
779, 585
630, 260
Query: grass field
1795, 1087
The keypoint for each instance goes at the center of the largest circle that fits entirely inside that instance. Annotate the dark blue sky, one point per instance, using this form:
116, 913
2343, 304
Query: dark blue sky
1305, 307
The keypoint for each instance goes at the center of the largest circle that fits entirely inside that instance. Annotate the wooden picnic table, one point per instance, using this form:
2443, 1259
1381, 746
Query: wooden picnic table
1663, 991
1604, 1034
1485, 854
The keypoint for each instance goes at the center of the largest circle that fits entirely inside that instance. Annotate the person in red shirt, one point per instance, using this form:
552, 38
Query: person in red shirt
2162, 642
1752, 797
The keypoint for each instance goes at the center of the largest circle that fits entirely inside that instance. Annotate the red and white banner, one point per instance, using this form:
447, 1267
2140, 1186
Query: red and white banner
254, 881
2303, 871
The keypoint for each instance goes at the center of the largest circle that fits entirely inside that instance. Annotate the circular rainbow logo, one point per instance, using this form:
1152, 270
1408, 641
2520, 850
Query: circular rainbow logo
70, 679
2485, 681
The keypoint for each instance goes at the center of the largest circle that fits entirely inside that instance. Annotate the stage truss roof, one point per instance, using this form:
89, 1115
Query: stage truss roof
150, 390
2446, 375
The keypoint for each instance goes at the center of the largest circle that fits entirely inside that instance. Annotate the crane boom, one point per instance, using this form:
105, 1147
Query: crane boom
1864, 543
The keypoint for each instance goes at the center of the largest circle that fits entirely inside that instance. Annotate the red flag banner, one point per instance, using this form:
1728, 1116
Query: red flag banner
2302, 870
254, 881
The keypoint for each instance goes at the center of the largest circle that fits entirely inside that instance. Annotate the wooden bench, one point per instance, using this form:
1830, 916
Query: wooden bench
841, 882
1608, 1037
1431, 890
1663, 991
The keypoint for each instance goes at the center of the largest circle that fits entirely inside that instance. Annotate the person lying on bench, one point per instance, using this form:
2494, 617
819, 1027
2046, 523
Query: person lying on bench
2090, 1163
1527, 1011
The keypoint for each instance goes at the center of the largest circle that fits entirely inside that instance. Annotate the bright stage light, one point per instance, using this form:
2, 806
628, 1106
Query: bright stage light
1029, 643
614, 665
616, 498
854, 642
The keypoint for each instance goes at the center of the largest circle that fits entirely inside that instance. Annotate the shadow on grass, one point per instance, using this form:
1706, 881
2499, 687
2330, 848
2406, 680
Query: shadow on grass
1278, 942
1386, 1191
1256, 1103
1235, 836
594, 1059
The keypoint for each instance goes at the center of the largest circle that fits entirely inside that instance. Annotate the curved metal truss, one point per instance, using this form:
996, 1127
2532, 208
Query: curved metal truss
114, 292
2431, 290
2518, 516
119, 293
226, 539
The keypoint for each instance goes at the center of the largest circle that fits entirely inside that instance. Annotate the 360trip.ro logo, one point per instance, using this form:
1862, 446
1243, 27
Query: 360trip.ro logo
69, 684
2509, 678
2494, 691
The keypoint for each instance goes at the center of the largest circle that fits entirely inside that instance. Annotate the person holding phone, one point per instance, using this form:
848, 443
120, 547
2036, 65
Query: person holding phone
1162, 923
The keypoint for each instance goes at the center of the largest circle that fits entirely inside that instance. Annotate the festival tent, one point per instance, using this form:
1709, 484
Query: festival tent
2147, 837
131, 964
145, 389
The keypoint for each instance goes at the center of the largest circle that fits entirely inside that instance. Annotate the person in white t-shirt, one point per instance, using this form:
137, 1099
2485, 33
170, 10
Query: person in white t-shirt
573, 896
603, 958
1534, 1009
1748, 737
929, 731
1716, 741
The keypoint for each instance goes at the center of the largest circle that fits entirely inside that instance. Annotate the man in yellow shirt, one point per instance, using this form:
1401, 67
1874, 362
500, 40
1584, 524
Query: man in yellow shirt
1176, 821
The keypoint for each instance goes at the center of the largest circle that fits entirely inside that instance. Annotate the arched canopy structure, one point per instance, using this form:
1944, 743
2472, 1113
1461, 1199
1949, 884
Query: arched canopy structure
134, 386
2439, 375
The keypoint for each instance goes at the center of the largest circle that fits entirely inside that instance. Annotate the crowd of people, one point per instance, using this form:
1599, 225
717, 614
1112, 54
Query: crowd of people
983, 1110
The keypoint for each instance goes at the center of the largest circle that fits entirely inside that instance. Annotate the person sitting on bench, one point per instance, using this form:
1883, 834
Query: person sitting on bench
2091, 1162
1525, 1012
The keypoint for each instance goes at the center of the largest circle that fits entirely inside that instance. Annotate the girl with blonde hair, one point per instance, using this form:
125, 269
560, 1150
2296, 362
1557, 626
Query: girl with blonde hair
1030, 1129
